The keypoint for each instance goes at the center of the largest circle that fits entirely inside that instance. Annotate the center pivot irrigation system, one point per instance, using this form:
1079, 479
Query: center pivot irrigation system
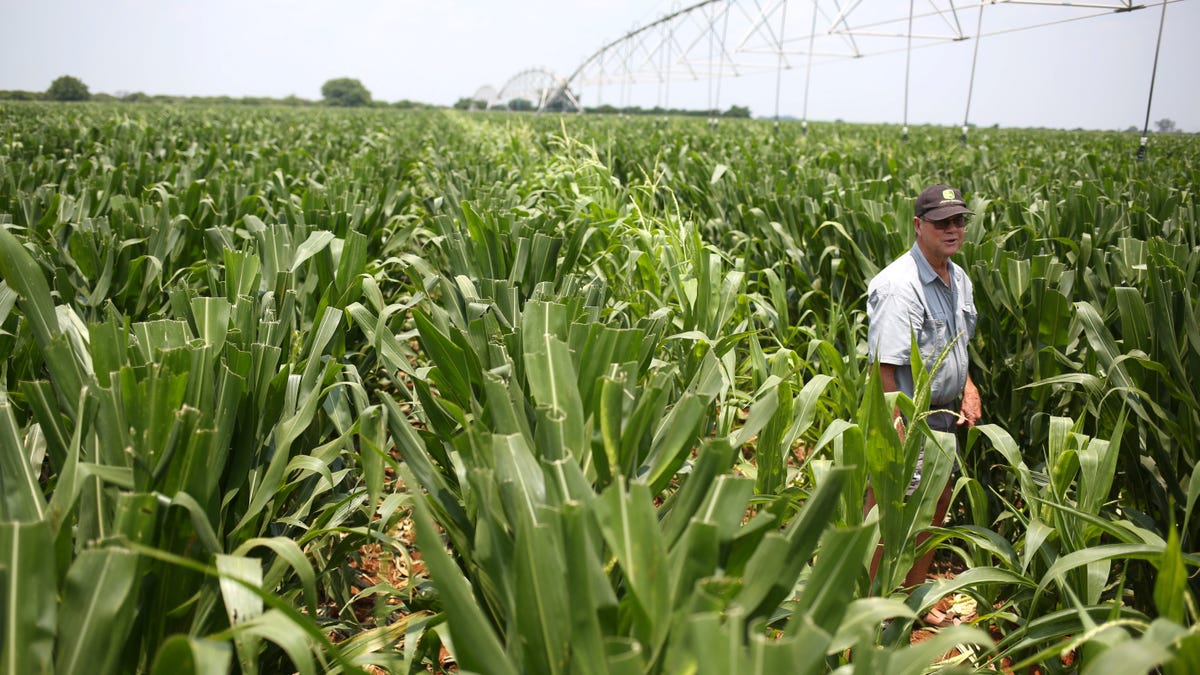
712, 40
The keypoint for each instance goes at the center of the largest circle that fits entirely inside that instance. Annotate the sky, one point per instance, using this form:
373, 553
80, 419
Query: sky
1093, 74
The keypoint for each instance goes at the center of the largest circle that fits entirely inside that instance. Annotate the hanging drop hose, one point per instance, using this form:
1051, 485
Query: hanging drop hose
721, 69
667, 70
600, 81
1141, 154
711, 37
907, 64
779, 65
971, 83
812, 38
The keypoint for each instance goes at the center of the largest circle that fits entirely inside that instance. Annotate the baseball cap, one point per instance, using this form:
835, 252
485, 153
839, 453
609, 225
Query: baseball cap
938, 202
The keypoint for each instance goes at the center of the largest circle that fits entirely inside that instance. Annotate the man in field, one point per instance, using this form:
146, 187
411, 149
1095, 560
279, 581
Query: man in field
923, 293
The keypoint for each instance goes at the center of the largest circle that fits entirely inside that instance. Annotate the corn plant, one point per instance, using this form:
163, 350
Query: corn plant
620, 365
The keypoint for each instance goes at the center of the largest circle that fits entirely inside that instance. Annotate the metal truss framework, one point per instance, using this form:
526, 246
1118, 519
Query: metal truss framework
539, 88
714, 39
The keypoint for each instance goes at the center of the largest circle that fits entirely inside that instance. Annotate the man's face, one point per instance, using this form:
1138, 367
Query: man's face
940, 238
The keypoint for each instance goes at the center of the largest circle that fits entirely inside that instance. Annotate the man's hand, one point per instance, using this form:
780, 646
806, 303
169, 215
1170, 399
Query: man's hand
972, 409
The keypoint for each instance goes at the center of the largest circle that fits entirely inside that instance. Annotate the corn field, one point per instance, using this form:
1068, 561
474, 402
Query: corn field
346, 391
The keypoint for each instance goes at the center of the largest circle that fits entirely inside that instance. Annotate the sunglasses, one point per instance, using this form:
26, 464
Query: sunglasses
958, 221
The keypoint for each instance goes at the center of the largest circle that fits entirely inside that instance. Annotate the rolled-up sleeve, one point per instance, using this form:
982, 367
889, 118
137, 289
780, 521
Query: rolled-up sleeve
891, 320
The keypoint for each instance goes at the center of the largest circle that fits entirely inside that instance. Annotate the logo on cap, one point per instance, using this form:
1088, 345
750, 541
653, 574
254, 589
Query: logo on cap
948, 195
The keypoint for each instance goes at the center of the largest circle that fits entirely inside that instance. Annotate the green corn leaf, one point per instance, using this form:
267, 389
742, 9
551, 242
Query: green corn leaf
285, 432
239, 575
28, 599
927, 595
503, 399
377, 644
761, 412
773, 569
806, 651
443, 493
800, 653
693, 559
1036, 534
1097, 554
20, 496
1003, 443
518, 470
243, 271
637, 426
918, 658
164, 335
352, 261
715, 648
97, 611
230, 394
315, 243
450, 359
1052, 317
861, 620
323, 333
609, 417
830, 588
627, 520
40, 396
1171, 587
724, 504
212, 321
1142, 655
1186, 657
593, 346
372, 438
1098, 466
71, 477
891, 465
279, 628
478, 649
592, 598
773, 446
183, 655
376, 331
553, 384
23, 275
205, 534
698, 497
542, 599
624, 656
981, 538
678, 434
8, 300
1192, 495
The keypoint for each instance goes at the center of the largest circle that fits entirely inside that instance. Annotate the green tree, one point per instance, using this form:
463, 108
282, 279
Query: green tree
1165, 126
67, 88
345, 91
737, 111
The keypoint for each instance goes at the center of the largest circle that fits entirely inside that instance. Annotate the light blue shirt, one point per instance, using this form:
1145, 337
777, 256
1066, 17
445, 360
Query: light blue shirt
907, 297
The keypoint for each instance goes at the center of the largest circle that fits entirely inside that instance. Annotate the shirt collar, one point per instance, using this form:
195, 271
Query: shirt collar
924, 269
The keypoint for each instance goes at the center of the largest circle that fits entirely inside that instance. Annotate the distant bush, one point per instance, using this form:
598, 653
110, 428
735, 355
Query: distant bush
67, 88
345, 91
19, 95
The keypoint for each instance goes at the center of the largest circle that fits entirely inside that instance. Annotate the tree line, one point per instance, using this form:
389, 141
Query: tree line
342, 92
